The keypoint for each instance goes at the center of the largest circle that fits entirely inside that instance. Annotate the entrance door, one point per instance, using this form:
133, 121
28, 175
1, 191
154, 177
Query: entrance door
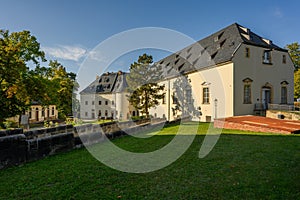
266, 97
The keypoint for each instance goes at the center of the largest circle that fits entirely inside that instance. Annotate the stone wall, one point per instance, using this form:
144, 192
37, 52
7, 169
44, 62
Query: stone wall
277, 114
18, 147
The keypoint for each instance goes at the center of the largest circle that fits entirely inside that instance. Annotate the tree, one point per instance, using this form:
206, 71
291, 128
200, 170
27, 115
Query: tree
63, 87
297, 84
16, 51
294, 51
143, 88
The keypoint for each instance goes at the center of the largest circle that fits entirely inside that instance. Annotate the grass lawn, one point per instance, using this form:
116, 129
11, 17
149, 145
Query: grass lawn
241, 166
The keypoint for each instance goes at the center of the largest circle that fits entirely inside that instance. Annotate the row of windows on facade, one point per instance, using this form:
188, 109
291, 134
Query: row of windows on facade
100, 102
112, 113
188, 97
247, 94
267, 58
37, 110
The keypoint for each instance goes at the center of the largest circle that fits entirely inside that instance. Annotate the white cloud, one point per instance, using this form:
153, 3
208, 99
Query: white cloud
97, 56
66, 52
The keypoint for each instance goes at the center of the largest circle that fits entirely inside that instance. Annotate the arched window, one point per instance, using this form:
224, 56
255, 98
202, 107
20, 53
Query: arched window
247, 90
284, 85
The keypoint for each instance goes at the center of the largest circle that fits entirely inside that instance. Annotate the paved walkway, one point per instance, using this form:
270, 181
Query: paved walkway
262, 124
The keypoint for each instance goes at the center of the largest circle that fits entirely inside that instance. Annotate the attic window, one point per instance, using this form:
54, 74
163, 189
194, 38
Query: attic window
100, 80
203, 50
161, 62
176, 61
217, 38
177, 55
168, 64
180, 67
213, 55
107, 79
188, 56
222, 43
195, 61
189, 49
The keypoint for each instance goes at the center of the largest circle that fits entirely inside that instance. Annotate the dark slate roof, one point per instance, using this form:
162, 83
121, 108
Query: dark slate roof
214, 49
107, 83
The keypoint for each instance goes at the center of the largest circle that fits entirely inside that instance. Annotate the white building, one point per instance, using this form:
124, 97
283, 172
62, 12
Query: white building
229, 73
106, 98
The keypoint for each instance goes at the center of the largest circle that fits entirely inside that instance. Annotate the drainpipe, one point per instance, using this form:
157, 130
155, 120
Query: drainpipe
169, 100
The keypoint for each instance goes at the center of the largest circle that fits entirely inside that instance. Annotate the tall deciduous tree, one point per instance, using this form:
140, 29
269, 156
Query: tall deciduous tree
143, 87
63, 89
16, 50
294, 51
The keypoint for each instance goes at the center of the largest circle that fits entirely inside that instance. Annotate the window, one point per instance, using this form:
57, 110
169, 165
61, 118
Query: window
283, 94
164, 99
284, 85
247, 94
29, 114
188, 96
86, 102
99, 113
174, 98
106, 113
247, 90
100, 102
106, 102
206, 95
267, 57
247, 52
284, 59
93, 103
112, 103
52, 111
86, 114
43, 112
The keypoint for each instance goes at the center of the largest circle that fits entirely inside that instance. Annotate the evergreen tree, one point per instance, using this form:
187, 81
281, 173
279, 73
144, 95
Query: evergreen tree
144, 90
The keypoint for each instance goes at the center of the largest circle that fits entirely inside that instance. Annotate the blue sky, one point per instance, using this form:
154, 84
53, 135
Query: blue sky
68, 30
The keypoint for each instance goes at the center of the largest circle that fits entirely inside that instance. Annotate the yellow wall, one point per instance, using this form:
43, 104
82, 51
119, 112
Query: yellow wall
261, 74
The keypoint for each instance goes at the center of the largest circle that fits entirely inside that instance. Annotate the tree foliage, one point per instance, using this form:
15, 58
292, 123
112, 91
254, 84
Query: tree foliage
16, 50
20, 86
144, 90
294, 51
297, 84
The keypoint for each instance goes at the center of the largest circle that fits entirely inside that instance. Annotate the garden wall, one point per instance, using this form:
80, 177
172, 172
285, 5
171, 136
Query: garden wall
18, 147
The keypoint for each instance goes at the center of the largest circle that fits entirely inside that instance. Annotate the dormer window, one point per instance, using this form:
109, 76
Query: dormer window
267, 57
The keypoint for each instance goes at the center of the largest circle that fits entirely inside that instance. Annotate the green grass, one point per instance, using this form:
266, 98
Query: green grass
241, 166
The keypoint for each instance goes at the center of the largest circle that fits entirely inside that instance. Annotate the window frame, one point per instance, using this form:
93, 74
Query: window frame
205, 95
247, 52
283, 59
267, 57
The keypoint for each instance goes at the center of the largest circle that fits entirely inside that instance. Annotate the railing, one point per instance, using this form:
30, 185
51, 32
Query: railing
283, 107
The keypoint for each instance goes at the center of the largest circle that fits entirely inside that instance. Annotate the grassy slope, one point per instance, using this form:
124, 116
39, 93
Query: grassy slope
240, 166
